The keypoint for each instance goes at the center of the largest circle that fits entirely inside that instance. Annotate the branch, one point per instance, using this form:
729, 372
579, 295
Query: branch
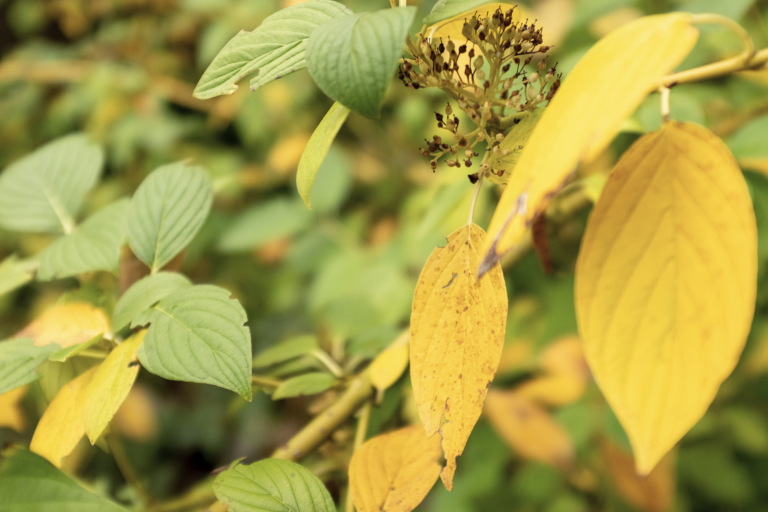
313, 434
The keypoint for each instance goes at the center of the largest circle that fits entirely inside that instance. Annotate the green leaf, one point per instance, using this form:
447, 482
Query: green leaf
352, 59
143, 294
197, 335
94, 245
749, 141
263, 223
272, 485
32, 484
445, 9
62, 355
317, 148
43, 191
286, 350
15, 273
273, 50
166, 212
19, 359
309, 384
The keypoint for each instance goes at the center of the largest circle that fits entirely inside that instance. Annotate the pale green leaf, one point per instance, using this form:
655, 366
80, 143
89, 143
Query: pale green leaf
29, 483
167, 211
62, 355
317, 148
286, 350
143, 294
19, 359
749, 142
309, 384
15, 273
272, 485
43, 191
445, 9
197, 335
264, 223
515, 141
273, 50
94, 245
352, 59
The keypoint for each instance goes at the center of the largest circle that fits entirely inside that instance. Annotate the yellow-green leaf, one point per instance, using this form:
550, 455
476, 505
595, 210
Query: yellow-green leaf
604, 88
62, 425
515, 141
457, 334
390, 364
317, 148
666, 283
110, 385
67, 324
394, 472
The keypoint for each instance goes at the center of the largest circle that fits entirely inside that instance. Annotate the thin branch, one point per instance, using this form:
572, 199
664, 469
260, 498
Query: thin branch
476, 193
329, 362
664, 91
265, 381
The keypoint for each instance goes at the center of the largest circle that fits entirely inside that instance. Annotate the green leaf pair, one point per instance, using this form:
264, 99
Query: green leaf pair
272, 485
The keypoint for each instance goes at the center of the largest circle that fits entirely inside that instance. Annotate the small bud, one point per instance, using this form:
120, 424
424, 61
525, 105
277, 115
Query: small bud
433, 165
433, 81
450, 46
468, 162
462, 49
526, 35
533, 77
499, 137
526, 45
542, 64
468, 153
439, 117
454, 150
539, 98
437, 139
448, 109
505, 68
505, 152
478, 62
496, 150
457, 136
480, 74
471, 53
485, 168
530, 92
423, 66
480, 136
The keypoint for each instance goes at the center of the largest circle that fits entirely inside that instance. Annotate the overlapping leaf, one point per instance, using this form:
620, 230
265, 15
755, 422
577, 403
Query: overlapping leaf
317, 148
144, 293
353, 58
445, 9
275, 49
196, 334
309, 384
394, 472
457, 334
43, 192
32, 484
67, 324
389, 366
15, 273
62, 424
666, 283
587, 112
110, 385
94, 245
166, 212
19, 359
272, 485
502, 165
529, 429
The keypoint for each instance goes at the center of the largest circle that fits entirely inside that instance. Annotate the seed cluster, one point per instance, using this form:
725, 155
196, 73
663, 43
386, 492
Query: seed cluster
495, 89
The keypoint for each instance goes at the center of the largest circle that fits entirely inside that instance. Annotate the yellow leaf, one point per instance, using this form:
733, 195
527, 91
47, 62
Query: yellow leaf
528, 429
457, 335
652, 493
394, 472
67, 325
666, 283
11, 415
390, 364
136, 418
62, 425
565, 375
451, 28
110, 385
606, 86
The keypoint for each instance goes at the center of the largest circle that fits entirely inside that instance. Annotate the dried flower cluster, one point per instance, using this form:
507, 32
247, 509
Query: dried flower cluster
488, 77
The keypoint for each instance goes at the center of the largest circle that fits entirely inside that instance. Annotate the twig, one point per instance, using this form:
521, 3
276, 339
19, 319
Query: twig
314, 433
125, 467
476, 193
329, 362
664, 91
265, 381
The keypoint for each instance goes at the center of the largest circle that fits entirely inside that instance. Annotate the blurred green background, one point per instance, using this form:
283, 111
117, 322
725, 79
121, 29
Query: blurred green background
123, 71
